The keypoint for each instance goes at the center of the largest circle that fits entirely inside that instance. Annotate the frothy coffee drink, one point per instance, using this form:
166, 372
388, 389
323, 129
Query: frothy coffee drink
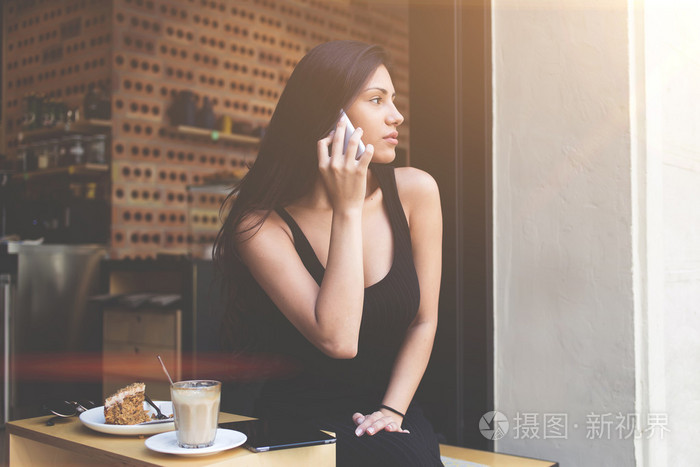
196, 407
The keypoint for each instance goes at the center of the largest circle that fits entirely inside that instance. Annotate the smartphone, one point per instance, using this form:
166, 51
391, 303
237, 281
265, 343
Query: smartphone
349, 130
270, 435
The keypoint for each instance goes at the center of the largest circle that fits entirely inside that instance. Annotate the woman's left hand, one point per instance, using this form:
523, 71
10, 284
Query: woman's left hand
377, 421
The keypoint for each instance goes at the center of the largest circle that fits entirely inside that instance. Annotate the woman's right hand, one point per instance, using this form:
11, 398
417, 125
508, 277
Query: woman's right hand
344, 177
328, 314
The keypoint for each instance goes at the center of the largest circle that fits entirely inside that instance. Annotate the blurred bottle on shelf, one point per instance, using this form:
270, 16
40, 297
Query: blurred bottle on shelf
72, 115
90, 190
104, 106
97, 103
38, 112
226, 124
53, 151
64, 151
183, 109
31, 157
91, 102
95, 148
62, 113
30, 111
21, 159
76, 151
41, 154
205, 116
46, 114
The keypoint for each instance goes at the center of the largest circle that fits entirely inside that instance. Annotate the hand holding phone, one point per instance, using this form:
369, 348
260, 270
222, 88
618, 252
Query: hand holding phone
349, 130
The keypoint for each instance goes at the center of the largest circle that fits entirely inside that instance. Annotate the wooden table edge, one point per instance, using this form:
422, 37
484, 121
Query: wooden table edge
14, 429
66, 444
476, 455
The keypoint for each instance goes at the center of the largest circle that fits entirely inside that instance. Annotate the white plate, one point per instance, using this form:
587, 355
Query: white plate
95, 419
167, 443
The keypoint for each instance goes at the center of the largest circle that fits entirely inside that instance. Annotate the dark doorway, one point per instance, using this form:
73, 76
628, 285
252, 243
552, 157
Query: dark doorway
450, 98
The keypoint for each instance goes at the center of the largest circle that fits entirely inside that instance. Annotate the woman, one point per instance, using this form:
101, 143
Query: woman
337, 262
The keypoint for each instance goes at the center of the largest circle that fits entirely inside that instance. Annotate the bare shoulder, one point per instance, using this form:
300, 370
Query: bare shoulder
261, 227
414, 185
419, 194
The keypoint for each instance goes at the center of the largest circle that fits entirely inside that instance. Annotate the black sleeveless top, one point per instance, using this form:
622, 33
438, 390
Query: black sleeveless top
390, 305
325, 392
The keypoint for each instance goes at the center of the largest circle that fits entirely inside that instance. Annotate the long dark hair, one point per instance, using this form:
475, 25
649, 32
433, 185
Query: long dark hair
325, 80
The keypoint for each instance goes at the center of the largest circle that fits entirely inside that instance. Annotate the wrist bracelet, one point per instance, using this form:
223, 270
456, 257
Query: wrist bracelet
391, 409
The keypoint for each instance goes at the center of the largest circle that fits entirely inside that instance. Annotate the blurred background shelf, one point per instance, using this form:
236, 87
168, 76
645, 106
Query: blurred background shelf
215, 135
84, 127
82, 169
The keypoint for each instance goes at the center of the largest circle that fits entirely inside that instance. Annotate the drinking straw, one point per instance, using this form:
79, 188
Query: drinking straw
165, 370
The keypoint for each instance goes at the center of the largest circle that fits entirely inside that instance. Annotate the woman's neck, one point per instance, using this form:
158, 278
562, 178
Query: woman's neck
318, 200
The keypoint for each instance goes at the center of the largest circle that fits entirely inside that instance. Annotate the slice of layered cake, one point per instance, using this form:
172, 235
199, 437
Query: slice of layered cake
125, 407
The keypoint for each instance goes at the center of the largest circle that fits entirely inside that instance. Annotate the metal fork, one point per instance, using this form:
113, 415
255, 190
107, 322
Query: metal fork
159, 414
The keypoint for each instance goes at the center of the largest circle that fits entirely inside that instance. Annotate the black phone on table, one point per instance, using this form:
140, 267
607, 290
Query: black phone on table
270, 435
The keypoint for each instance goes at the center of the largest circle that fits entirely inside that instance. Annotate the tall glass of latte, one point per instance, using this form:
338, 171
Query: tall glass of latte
196, 408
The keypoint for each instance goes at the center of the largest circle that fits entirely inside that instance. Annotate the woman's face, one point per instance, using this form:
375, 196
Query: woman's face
374, 111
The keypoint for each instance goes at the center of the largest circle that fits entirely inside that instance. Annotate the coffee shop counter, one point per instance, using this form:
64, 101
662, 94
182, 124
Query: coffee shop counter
69, 442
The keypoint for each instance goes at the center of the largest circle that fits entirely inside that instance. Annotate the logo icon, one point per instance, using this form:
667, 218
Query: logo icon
493, 425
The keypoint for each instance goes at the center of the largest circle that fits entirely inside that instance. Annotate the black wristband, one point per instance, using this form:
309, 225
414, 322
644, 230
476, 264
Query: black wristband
391, 409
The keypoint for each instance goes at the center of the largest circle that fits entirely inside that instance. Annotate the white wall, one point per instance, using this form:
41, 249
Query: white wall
597, 226
672, 119
564, 304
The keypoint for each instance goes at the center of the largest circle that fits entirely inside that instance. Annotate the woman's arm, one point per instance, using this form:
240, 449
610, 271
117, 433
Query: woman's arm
328, 316
421, 201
